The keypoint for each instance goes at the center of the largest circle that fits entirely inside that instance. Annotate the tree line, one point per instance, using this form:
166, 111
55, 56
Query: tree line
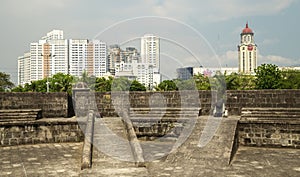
267, 76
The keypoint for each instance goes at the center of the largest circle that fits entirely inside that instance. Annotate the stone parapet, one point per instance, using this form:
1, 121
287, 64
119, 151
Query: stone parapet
51, 104
238, 99
270, 133
40, 131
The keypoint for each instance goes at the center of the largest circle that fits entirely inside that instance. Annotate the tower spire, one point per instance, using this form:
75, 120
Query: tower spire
247, 24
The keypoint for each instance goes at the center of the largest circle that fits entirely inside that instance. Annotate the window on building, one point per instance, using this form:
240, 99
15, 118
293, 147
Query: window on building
243, 61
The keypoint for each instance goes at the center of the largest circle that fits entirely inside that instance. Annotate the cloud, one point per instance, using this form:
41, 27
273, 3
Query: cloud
27, 20
216, 10
26, 8
230, 59
202, 11
270, 41
278, 60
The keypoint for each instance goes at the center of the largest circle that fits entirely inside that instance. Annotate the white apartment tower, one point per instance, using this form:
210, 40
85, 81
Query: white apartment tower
36, 60
87, 56
97, 58
54, 35
150, 50
48, 57
53, 54
57, 56
247, 52
24, 69
78, 56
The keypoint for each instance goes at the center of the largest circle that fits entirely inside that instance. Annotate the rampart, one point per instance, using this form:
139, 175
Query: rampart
59, 106
52, 104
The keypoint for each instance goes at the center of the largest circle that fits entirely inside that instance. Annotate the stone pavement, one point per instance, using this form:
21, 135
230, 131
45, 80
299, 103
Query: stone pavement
212, 159
64, 159
41, 160
112, 154
251, 161
189, 156
248, 162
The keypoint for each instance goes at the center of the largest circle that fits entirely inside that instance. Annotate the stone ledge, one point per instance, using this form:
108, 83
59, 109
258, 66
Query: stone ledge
54, 130
45, 121
134, 143
269, 121
87, 150
269, 109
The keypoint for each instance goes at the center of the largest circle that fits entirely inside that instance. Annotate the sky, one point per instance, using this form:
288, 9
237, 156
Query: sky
206, 30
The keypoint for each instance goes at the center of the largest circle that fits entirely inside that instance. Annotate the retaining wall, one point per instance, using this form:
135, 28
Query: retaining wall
52, 104
261, 98
109, 104
270, 133
41, 131
60, 104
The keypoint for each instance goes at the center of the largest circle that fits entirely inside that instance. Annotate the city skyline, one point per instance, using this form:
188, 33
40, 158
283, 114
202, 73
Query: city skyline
54, 54
273, 22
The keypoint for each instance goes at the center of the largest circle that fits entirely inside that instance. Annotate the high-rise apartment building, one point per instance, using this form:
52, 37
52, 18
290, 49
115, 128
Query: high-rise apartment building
145, 67
53, 54
98, 56
48, 57
116, 56
144, 73
150, 50
24, 68
150, 56
113, 57
78, 56
57, 56
130, 54
36, 60
54, 35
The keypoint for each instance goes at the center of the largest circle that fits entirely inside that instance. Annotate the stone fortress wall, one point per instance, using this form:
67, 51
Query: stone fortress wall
59, 106
45, 130
235, 100
52, 104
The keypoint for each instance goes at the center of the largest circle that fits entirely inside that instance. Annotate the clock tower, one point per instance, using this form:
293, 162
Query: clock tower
247, 51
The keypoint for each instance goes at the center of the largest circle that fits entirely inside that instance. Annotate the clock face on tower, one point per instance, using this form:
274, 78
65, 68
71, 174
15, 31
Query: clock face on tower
250, 47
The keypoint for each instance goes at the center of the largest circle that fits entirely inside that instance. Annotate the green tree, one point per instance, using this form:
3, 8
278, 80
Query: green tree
136, 86
89, 80
19, 88
202, 82
61, 83
236, 81
247, 82
57, 83
218, 84
120, 84
233, 81
103, 85
166, 85
36, 86
5, 83
290, 79
268, 76
185, 84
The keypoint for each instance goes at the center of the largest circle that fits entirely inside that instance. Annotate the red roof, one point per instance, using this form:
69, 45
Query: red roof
247, 30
